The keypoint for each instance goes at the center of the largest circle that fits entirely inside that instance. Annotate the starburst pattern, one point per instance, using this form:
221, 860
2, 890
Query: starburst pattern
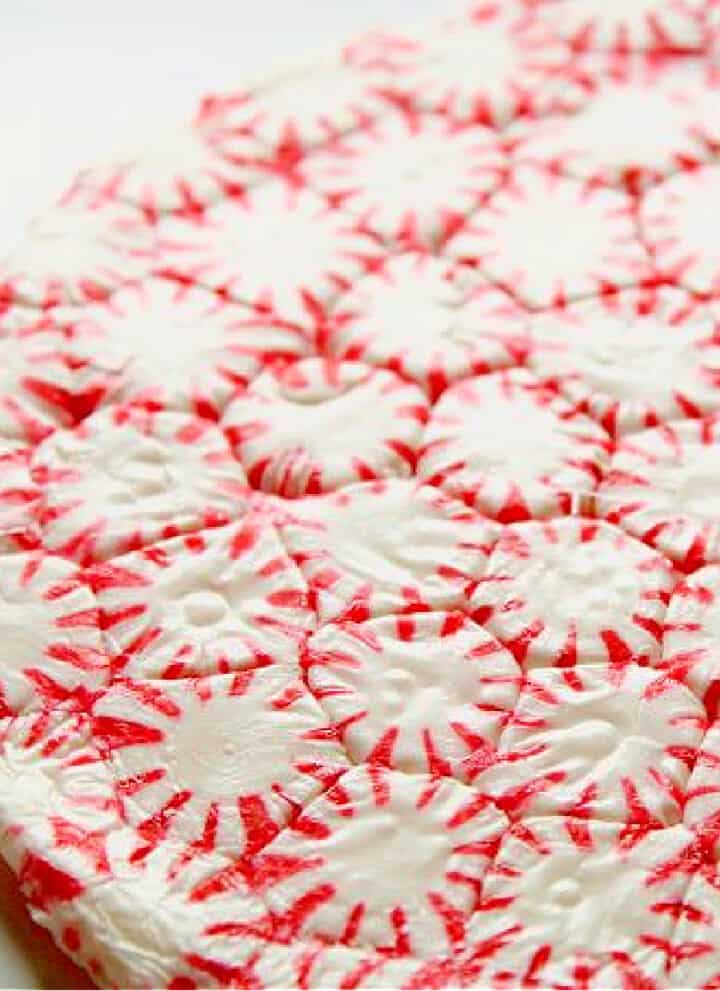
359, 528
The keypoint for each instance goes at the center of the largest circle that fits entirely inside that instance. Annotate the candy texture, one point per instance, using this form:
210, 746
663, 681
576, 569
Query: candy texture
360, 526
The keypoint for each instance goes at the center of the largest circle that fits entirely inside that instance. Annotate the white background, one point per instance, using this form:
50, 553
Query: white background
80, 79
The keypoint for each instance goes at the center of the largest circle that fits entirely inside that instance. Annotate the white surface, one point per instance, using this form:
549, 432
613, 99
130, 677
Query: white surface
75, 78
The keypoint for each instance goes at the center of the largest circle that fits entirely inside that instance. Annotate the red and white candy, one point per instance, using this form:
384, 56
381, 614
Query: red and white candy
570, 592
510, 446
385, 547
636, 360
318, 425
207, 603
125, 478
359, 538
512, 241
